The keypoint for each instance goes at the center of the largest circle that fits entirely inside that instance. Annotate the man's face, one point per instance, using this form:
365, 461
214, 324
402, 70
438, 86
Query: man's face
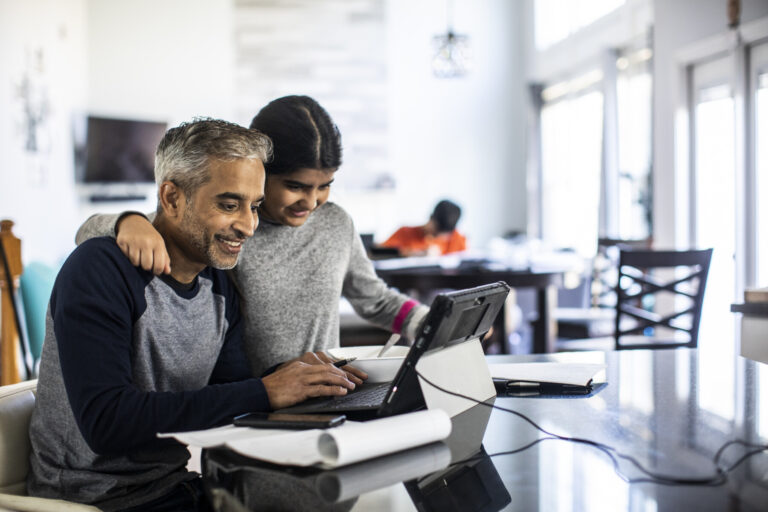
221, 214
292, 197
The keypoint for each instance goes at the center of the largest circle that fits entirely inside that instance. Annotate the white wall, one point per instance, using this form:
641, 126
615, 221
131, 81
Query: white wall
168, 61
462, 138
37, 187
679, 24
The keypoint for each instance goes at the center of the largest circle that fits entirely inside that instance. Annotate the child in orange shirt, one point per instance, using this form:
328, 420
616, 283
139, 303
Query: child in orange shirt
437, 236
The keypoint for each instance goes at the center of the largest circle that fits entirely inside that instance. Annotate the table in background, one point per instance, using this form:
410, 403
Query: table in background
648, 409
427, 280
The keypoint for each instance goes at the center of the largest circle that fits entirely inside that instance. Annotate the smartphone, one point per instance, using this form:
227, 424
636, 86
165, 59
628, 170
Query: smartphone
290, 421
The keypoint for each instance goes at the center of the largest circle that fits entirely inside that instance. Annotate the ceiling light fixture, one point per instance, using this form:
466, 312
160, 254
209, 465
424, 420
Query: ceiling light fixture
452, 56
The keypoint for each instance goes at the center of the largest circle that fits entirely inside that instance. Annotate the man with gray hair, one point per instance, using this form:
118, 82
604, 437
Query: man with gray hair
128, 354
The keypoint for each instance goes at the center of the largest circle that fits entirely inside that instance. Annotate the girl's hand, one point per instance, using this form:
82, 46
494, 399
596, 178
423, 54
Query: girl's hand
142, 244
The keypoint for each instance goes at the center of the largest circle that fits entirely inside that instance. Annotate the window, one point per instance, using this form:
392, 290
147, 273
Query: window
714, 225
759, 90
759, 74
633, 195
586, 192
571, 156
591, 138
761, 165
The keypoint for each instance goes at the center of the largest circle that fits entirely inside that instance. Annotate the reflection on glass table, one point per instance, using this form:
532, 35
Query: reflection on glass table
237, 483
647, 441
651, 442
473, 485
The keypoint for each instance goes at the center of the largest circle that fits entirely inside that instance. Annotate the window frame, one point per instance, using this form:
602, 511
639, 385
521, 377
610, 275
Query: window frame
609, 208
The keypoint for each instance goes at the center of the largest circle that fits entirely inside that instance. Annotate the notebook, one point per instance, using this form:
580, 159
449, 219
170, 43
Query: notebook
453, 318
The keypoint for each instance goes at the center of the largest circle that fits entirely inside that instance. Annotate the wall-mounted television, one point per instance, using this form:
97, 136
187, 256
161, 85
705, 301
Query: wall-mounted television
120, 150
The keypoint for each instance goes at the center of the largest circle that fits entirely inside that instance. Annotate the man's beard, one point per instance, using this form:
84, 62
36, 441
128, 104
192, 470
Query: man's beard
202, 242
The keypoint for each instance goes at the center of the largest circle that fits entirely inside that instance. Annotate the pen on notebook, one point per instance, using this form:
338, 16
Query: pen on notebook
343, 362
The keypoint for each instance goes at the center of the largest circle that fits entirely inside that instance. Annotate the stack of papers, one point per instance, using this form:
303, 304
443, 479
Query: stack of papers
329, 448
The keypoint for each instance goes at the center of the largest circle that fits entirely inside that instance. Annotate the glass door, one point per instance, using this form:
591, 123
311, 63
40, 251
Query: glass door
758, 74
759, 81
713, 219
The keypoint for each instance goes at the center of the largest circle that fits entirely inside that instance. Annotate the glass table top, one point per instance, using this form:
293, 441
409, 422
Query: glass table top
641, 434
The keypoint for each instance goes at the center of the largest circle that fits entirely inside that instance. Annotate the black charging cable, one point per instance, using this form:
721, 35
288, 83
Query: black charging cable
718, 478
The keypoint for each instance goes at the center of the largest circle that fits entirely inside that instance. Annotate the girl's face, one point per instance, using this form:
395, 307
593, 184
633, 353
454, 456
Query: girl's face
291, 197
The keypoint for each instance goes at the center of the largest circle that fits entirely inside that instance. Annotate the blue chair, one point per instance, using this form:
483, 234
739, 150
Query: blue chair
36, 285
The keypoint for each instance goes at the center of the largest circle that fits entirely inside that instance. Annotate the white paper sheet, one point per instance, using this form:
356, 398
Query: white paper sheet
577, 374
365, 440
216, 436
292, 448
349, 443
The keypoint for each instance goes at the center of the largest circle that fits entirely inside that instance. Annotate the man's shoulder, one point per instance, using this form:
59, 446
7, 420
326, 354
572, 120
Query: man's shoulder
99, 248
102, 256
98, 244
99, 273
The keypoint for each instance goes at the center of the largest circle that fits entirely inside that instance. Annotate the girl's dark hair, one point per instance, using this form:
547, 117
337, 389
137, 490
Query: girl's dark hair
302, 133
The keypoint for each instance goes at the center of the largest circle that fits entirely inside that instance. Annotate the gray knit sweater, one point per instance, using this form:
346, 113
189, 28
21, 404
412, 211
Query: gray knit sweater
291, 279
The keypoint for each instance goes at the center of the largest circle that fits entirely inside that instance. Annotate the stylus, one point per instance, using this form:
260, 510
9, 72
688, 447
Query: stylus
388, 345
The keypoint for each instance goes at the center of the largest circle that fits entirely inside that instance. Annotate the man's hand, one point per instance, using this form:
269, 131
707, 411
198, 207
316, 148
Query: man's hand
142, 244
353, 374
296, 381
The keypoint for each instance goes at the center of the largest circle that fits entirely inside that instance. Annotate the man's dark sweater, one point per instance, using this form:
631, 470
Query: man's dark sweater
128, 355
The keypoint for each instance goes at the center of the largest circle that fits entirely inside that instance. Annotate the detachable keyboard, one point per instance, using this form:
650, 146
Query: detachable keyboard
367, 397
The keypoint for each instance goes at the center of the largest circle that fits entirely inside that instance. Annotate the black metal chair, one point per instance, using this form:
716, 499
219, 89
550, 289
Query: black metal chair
659, 296
595, 317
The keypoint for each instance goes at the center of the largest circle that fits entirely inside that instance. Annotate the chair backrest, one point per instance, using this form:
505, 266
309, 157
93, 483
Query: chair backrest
16, 404
645, 279
603, 282
11, 267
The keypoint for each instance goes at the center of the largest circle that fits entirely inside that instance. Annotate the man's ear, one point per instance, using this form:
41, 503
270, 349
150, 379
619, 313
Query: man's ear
172, 199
